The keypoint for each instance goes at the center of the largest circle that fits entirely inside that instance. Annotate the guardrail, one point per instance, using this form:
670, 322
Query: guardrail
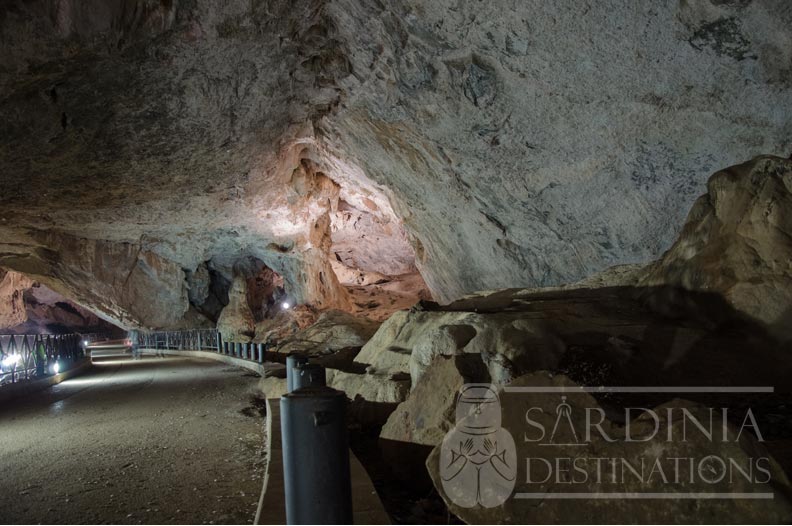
21, 359
202, 340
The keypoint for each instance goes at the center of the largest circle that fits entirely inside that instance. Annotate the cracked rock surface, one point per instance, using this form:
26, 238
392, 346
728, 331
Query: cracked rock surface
486, 145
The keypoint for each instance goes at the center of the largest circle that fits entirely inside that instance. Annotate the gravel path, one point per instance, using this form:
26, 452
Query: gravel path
158, 440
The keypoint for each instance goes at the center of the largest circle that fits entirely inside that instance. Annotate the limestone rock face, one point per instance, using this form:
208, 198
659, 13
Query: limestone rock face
29, 307
596, 336
121, 282
236, 322
561, 137
428, 413
332, 332
486, 144
643, 444
368, 387
12, 288
737, 242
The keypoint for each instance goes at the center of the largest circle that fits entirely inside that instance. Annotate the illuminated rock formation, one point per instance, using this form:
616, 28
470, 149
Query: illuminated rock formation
485, 145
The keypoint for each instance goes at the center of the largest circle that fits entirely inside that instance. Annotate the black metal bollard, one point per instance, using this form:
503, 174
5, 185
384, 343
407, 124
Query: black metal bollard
308, 375
291, 362
316, 457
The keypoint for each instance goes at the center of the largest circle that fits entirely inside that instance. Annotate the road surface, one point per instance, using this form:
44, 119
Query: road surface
155, 440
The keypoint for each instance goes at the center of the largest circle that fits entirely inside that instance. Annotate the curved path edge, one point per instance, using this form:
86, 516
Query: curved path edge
366, 504
11, 391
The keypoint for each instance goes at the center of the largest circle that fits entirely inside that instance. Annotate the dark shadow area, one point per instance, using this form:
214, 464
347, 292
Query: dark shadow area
656, 336
397, 469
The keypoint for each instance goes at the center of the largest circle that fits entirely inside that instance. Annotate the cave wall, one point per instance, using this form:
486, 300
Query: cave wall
28, 307
515, 143
533, 143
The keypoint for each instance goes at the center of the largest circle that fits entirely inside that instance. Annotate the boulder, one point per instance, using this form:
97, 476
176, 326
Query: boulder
596, 336
333, 330
497, 344
560, 443
428, 413
369, 387
737, 243
381, 353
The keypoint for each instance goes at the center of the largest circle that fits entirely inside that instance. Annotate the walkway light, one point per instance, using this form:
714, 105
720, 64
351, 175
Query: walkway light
285, 305
54, 367
10, 360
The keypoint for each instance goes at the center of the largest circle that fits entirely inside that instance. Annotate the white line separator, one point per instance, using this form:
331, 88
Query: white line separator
631, 389
667, 495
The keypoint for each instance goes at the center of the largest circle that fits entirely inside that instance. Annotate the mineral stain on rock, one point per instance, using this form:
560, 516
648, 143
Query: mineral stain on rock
724, 37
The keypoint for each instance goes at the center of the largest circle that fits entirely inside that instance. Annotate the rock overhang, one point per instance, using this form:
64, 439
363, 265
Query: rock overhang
525, 147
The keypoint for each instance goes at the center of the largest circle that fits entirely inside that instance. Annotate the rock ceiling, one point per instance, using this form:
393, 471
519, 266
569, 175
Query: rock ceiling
486, 144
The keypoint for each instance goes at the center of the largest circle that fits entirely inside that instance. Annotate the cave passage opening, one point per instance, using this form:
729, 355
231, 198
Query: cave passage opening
266, 294
31, 307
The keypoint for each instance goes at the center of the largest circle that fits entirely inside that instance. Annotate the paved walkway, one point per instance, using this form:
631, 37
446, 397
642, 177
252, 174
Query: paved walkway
366, 504
156, 440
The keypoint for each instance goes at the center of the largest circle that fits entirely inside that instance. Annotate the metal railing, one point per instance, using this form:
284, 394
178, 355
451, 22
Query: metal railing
202, 340
20, 358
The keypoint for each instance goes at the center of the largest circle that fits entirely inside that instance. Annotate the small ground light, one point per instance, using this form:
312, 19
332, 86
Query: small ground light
286, 304
56, 367
10, 360
85, 343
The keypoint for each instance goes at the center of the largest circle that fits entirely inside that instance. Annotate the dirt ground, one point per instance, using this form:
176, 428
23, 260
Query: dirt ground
158, 440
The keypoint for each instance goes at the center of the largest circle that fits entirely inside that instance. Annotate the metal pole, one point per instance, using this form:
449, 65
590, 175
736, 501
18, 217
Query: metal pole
308, 375
316, 457
291, 362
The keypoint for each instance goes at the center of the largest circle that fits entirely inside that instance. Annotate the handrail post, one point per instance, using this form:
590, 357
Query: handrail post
316, 473
292, 361
308, 375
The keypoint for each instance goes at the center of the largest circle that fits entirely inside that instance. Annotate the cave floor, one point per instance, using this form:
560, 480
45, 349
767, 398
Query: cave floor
155, 440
